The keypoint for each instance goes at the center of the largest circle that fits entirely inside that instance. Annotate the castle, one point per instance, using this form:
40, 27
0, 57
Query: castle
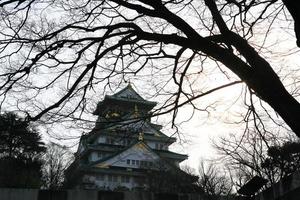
125, 149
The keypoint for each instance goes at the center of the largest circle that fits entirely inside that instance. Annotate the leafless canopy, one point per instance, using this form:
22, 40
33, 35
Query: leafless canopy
55, 55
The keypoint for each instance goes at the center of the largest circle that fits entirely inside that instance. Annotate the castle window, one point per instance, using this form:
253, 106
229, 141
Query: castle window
112, 178
115, 178
109, 178
110, 140
150, 164
133, 162
100, 177
101, 155
101, 139
147, 163
128, 162
126, 142
129, 96
161, 146
125, 179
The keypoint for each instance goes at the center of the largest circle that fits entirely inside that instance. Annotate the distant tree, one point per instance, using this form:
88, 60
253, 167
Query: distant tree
56, 160
214, 182
244, 155
283, 159
259, 154
20, 152
170, 179
18, 138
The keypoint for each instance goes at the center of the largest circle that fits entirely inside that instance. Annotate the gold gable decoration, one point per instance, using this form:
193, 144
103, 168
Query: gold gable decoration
141, 136
141, 146
111, 114
102, 165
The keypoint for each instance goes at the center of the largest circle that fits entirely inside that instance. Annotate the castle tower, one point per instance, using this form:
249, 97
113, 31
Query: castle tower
125, 149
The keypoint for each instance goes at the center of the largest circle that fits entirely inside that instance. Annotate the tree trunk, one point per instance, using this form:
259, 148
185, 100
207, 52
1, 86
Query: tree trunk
293, 7
269, 88
256, 71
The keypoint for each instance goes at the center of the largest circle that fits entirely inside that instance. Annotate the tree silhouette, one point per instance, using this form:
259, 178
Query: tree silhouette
283, 159
18, 139
86, 44
20, 152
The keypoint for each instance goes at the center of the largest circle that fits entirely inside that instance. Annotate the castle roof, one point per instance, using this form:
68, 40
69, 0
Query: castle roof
126, 96
131, 128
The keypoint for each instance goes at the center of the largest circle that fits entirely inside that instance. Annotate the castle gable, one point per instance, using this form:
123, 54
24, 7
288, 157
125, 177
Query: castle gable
128, 93
137, 156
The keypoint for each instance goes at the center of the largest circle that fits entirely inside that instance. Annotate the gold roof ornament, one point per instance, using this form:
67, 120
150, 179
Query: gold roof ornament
141, 136
102, 165
115, 114
111, 114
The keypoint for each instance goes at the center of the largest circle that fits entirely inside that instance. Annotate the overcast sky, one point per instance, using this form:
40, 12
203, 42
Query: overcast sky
224, 107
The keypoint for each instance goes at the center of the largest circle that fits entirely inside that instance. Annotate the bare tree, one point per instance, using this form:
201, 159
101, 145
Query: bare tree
251, 154
80, 47
244, 156
160, 177
214, 181
56, 160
